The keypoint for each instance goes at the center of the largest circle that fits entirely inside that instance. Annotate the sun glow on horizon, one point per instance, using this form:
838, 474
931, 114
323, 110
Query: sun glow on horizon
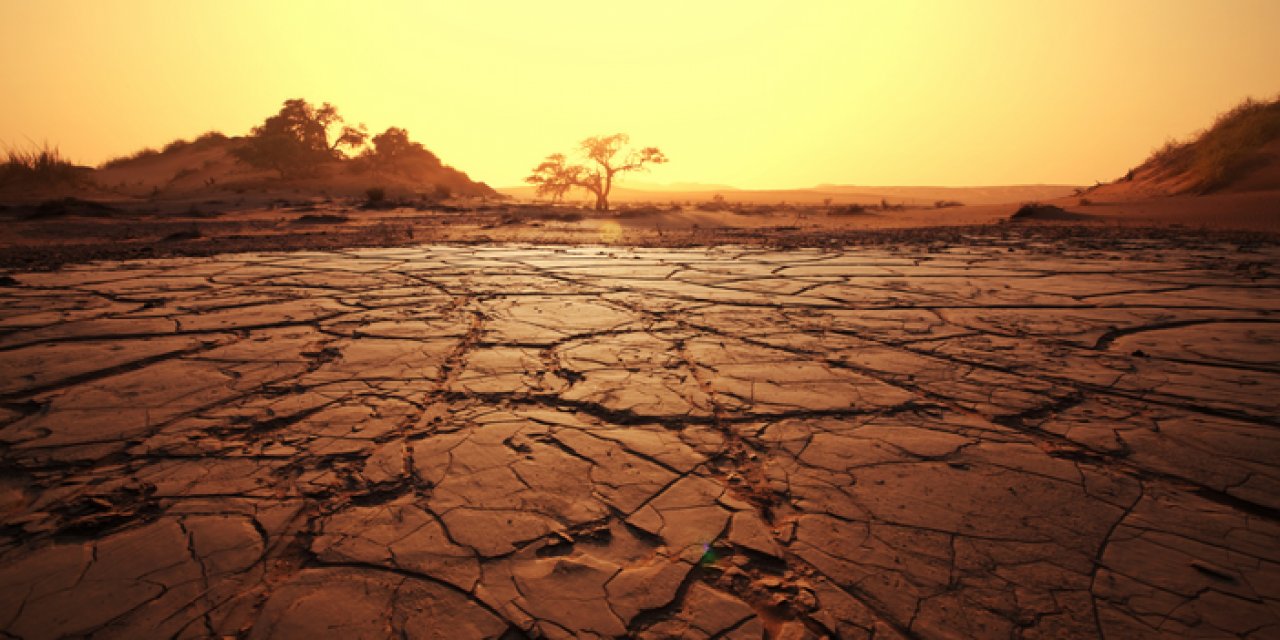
756, 94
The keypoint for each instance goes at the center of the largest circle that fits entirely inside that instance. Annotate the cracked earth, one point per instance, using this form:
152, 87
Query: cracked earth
979, 441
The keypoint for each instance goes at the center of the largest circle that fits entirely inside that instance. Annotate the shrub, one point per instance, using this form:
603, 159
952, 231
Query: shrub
204, 140
43, 166
717, 203
848, 210
209, 137
71, 206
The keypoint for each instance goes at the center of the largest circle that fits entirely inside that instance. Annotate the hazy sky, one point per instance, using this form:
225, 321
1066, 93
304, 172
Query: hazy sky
753, 94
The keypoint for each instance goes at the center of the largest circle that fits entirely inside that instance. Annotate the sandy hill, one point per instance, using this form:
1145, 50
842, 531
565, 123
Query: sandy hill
1239, 153
208, 164
181, 166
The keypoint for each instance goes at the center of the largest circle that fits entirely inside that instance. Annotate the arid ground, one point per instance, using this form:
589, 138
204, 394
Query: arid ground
999, 431
784, 321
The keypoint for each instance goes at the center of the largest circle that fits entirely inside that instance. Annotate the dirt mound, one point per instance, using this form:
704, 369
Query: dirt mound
1048, 212
63, 207
181, 166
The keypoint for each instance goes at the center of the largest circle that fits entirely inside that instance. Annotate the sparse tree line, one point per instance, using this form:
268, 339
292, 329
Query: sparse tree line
302, 137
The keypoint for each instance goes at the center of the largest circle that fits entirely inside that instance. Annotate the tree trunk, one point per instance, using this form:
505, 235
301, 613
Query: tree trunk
603, 203
602, 197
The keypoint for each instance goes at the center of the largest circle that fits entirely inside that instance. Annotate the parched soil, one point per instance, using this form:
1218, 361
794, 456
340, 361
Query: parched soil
998, 438
41, 237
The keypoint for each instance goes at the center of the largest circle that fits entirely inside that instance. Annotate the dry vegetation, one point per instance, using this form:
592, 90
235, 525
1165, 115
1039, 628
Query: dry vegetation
1224, 152
301, 149
42, 165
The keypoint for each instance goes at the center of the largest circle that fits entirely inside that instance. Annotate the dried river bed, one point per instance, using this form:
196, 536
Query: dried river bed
976, 441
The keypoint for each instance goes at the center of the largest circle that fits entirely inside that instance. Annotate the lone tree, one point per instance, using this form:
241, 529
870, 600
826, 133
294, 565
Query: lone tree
555, 175
295, 141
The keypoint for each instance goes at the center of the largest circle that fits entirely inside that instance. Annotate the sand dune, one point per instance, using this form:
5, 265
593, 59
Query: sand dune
1239, 153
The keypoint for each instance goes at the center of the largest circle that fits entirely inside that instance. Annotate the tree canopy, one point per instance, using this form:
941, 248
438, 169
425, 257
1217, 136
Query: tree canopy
296, 140
605, 157
303, 140
392, 150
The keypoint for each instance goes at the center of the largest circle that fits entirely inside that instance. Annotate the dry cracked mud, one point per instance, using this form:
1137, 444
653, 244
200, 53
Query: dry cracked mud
979, 441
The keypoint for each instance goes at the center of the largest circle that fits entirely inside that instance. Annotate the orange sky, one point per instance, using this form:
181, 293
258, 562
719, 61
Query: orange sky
752, 94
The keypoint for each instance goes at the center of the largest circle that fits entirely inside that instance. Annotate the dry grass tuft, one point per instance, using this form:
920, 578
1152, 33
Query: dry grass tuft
42, 165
